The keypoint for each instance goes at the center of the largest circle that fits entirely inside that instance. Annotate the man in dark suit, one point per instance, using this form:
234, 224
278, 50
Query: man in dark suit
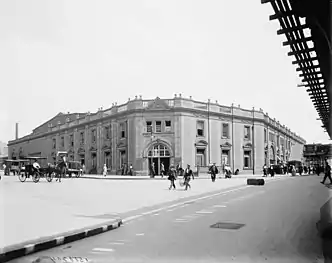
188, 173
213, 171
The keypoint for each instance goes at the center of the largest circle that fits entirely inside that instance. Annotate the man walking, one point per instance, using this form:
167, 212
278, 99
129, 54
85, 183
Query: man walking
213, 171
188, 173
327, 173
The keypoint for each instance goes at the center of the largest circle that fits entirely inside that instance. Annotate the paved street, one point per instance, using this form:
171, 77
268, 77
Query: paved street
30, 209
279, 225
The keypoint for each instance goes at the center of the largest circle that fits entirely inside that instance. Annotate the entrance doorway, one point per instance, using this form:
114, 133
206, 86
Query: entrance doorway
82, 159
200, 157
156, 156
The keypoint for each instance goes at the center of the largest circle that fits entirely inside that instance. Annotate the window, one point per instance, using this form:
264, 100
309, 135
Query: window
158, 126
200, 128
82, 137
265, 135
63, 141
278, 140
54, 143
168, 126
93, 135
107, 132
225, 157
225, 130
247, 132
247, 159
71, 139
159, 151
149, 126
122, 130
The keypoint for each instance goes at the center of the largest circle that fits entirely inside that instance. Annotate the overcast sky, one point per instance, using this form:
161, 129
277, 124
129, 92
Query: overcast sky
77, 56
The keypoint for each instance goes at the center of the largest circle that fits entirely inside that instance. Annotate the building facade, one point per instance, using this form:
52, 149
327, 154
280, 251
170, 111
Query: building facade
169, 131
317, 154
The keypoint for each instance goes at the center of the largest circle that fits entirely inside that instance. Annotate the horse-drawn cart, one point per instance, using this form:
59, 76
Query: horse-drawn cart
28, 170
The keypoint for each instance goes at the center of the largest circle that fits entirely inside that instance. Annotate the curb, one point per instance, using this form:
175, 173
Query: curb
43, 243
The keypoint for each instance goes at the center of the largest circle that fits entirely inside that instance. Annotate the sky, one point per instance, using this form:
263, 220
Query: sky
79, 55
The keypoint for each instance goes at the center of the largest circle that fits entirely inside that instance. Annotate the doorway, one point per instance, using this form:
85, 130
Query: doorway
200, 157
157, 155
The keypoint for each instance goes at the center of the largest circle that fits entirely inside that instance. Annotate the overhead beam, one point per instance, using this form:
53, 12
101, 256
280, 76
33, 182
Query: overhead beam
279, 15
306, 39
304, 60
291, 29
292, 53
310, 67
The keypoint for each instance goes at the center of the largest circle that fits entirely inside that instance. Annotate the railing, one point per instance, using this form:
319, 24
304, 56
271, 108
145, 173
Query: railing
225, 109
200, 105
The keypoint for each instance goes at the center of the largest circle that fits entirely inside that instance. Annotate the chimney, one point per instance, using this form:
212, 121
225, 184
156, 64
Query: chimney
16, 131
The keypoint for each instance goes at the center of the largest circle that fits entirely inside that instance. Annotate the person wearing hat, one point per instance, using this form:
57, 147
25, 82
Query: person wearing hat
188, 173
213, 171
172, 177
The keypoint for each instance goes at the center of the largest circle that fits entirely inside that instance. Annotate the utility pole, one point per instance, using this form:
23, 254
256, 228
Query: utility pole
209, 148
233, 150
253, 139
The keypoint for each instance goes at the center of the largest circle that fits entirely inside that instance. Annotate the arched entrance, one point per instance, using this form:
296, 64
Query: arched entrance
157, 155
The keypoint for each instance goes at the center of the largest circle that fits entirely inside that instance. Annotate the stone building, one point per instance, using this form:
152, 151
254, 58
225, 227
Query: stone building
178, 130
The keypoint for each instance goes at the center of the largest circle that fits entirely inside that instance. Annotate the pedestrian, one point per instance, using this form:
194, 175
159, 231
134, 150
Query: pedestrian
105, 170
300, 170
131, 169
172, 177
327, 173
264, 170
272, 171
213, 171
162, 170
188, 173
293, 170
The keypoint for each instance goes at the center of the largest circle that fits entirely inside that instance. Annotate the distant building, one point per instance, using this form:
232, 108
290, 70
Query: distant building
317, 153
179, 130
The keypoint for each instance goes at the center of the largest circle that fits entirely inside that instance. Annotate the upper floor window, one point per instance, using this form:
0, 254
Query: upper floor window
247, 132
200, 128
278, 140
122, 130
107, 132
63, 141
149, 126
71, 139
54, 143
82, 137
265, 135
225, 130
94, 135
168, 126
158, 126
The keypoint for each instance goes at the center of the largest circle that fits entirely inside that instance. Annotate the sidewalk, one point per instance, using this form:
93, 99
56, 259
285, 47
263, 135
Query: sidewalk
33, 211
158, 177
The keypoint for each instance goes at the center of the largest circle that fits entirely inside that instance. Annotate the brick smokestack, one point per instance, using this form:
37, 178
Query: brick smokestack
16, 131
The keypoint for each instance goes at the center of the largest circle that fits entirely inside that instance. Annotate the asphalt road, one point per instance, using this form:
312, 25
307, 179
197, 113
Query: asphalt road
278, 225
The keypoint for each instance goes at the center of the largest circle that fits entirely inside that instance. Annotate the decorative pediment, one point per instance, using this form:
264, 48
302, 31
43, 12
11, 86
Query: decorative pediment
158, 104
201, 143
71, 151
80, 150
93, 149
121, 144
226, 145
247, 145
106, 147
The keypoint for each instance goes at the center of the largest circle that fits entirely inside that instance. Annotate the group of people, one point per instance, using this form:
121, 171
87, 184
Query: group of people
174, 172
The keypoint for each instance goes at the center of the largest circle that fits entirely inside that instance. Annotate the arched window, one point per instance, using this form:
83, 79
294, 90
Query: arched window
159, 150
